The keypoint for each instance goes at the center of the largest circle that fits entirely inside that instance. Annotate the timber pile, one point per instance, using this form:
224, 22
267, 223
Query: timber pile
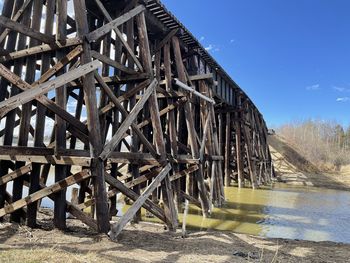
146, 96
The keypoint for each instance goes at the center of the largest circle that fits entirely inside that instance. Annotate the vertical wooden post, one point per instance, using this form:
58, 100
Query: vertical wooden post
228, 149
61, 95
97, 168
239, 157
134, 147
191, 129
169, 206
24, 122
40, 121
171, 118
9, 5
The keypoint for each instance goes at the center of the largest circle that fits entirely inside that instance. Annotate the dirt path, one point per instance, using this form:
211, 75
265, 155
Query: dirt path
150, 243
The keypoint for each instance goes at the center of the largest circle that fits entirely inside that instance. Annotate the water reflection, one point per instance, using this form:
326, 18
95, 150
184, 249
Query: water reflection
283, 212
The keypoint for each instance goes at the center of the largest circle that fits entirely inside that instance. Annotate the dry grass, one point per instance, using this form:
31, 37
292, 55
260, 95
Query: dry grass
147, 242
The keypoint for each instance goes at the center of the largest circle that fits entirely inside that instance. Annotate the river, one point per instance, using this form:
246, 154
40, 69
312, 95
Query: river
281, 211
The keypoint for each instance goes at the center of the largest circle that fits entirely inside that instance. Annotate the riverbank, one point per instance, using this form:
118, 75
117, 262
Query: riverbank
149, 242
146, 242
293, 169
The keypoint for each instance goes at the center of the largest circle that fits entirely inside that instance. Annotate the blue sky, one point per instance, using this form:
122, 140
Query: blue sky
292, 57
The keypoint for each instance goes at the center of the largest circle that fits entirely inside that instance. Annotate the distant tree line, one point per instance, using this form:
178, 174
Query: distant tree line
321, 142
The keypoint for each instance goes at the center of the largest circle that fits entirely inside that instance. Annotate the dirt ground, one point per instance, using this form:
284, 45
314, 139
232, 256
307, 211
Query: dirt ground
146, 242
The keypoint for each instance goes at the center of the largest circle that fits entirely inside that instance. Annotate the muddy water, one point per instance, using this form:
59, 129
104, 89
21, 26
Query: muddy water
282, 212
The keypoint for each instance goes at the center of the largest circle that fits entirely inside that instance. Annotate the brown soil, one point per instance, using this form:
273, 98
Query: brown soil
147, 242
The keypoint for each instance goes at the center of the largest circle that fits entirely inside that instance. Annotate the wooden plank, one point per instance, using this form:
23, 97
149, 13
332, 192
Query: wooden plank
73, 179
191, 199
100, 32
15, 174
251, 164
112, 63
120, 35
165, 40
43, 88
21, 28
15, 19
18, 82
185, 172
86, 219
193, 91
46, 75
148, 204
40, 49
109, 147
208, 76
118, 227
50, 159
38, 151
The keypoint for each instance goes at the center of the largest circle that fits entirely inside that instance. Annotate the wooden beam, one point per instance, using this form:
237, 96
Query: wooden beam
208, 76
120, 35
21, 84
228, 149
95, 136
15, 174
40, 49
23, 29
15, 18
39, 90
118, 227
109, 147
193, 91
103, 30
191, 199
165, 40
148, 204
51, 159
112, 63
76, 178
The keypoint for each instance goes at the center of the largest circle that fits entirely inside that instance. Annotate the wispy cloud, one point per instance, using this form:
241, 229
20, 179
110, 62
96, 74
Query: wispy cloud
213, 48
341, 89
313, 87
232, 41
201, 38
343, 99
210, 47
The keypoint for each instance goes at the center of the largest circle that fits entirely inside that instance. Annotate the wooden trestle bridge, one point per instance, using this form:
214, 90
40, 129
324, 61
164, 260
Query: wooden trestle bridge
117, 96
